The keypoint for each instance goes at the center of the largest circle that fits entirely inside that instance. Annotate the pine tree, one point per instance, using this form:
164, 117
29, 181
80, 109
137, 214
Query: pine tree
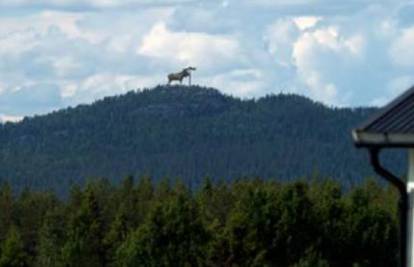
85, 243
6, 210
251, 227
12, 250
118, 233
371, 231
296, 228
173, 235
144, 196
51, 240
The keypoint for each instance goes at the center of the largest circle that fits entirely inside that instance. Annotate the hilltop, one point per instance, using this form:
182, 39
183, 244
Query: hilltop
186, 132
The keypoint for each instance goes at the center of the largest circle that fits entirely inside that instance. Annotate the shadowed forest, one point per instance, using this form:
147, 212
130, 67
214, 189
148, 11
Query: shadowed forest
55, 212
248, 222
187, 132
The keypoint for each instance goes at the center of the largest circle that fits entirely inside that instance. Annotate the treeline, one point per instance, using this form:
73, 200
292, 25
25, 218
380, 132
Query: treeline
188, 132
242, 223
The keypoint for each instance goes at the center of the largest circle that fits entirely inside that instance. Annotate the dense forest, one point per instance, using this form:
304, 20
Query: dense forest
246, 222
62, 202
187, 132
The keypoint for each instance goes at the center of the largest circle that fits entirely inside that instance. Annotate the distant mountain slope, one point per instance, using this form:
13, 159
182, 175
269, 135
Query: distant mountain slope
187, 132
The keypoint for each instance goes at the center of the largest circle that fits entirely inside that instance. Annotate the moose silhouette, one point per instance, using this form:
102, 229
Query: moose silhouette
179, 76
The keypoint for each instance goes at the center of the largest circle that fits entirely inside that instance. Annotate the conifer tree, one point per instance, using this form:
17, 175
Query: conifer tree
51, 239
251, 226
173, 235
6, 210
13, 253
85, 246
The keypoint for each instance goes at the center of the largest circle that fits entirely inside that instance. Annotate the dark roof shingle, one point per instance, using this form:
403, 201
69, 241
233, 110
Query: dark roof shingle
392, 126
397, 117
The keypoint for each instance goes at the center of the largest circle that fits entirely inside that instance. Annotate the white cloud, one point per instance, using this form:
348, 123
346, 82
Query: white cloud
379, 101
306, 22
68, 90
355, 44
189, 48
43, 22
239, 82
279, 38
402, 52
52, 59
91, 4
60, 52
398, 85
65, 65
323, 57
121, 44
104, 84
9, 118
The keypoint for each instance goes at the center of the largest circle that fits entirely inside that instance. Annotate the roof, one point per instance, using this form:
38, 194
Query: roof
392, 126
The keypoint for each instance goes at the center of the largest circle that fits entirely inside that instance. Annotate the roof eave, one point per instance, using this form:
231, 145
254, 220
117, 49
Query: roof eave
371, 139
389, 107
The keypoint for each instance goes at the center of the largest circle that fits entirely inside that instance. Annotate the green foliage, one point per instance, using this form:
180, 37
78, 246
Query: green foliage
372, 233
173, 233
312, 259
188, 132
51, 239
85, 246
12, 251
249, 222
6, 208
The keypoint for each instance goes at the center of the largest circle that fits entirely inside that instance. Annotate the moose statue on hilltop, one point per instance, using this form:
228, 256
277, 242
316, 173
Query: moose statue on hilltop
179, 76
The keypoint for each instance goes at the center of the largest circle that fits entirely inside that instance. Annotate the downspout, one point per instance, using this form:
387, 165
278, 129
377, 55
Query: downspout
403, 203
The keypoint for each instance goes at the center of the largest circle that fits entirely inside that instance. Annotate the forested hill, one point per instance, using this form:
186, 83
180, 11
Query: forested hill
186, 132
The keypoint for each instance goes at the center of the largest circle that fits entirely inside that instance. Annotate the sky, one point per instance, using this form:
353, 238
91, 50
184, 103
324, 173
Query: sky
60, 53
